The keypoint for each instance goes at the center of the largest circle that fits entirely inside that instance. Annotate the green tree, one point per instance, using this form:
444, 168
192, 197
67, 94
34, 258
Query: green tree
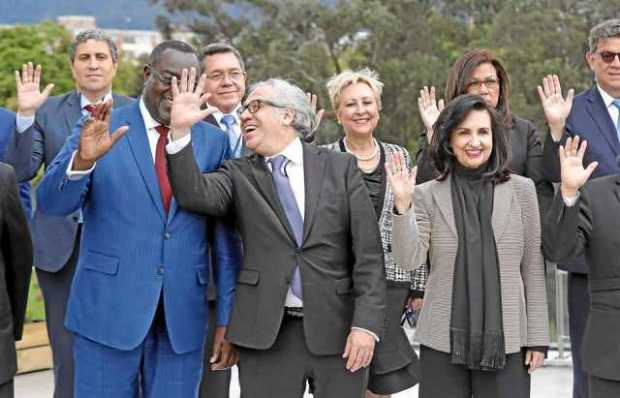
48, 44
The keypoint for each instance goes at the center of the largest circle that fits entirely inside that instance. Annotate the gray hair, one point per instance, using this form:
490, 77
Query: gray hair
604, 30
288, 95
222, 48
93, 34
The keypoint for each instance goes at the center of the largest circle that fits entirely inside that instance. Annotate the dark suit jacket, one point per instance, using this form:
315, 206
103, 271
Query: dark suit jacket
7, 125
590, 120
15, 269
526, 160
591, 227
38, 146
340, 259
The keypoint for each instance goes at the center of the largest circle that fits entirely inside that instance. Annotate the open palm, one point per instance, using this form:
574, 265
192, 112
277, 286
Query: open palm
28, 85
96, 140
573, 174
429, 109
401, 180
187, 100
556, 107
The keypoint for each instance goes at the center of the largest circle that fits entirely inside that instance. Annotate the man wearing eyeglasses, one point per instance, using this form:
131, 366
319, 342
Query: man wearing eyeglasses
138, 301
225, 71
594, 117
310, 297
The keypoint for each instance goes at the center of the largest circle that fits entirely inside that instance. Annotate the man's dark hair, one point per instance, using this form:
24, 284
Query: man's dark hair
92, 34
221, 48
177, 45
450, 118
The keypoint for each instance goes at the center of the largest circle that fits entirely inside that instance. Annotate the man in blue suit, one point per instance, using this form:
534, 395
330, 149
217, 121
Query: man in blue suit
138, 301
7, 124
42, 127
593, 116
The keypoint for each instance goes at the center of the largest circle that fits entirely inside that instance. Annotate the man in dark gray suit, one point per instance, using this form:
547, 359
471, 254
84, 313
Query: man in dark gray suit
310, 298
15, 269
225, 72
42, 126
586, 219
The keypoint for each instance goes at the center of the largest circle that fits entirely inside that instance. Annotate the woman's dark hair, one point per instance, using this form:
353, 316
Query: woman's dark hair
450, 118
460, 75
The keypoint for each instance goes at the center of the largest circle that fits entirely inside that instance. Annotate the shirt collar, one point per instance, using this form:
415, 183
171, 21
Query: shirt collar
218, 115
294, 152
85, 101
608, 100
149, 122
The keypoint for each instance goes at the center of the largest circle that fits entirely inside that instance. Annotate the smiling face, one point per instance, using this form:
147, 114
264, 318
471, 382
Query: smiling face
225, 81
607, 75
93, 68
472, 140
485, 83
266, 127
157, 92
358, 109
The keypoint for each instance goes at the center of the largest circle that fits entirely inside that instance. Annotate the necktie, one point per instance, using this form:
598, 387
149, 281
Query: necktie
288, 202
234, 141
616, 103
90, 108
160, 166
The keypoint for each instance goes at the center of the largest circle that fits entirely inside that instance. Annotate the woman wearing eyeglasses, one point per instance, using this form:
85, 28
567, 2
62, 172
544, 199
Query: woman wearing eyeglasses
479, 72
484, 326
356, 100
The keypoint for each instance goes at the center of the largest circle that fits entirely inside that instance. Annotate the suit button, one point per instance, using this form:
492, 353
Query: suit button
167, 235
160, 270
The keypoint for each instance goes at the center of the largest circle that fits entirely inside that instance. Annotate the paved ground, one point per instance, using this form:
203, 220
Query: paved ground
548, 382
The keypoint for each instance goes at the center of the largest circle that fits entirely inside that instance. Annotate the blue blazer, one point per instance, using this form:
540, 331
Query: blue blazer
7, 125
589, 120
38, 146
131, 252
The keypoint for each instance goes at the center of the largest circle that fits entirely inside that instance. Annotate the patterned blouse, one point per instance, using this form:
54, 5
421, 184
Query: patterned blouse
393, 272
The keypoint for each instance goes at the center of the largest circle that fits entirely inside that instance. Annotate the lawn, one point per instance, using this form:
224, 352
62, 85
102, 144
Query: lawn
35, 310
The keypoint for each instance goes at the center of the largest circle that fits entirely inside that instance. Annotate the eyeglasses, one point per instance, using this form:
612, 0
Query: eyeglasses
608, 56
235, 75
489, 83
255, 105
165, 80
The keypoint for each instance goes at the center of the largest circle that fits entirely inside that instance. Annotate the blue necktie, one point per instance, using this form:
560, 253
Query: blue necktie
616, 103
234, 141
288, 202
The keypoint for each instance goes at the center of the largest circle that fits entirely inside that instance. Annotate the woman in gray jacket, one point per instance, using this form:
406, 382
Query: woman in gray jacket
483, 327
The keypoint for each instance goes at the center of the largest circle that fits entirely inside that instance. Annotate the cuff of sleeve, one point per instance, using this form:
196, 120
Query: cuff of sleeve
570, 202
541, 349
416, 293
23, 123
374, 336
75, 175
177, 146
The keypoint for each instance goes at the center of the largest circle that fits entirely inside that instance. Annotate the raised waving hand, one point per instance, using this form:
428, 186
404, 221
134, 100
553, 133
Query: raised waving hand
188, 97
29, 94
401, 180
573, 174
556, 107
429, 109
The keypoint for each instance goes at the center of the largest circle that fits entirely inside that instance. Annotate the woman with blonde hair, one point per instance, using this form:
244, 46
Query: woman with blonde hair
356, 99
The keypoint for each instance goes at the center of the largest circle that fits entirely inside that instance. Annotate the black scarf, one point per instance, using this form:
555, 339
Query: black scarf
476, 330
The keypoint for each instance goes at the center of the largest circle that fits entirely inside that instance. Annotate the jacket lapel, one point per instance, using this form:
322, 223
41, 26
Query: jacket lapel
264, 183
443, 198
502, 197
598, 112
72, 111
314, 168
141, 150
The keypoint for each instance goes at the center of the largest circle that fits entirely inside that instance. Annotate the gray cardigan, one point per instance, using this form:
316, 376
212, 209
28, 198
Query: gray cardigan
516, 226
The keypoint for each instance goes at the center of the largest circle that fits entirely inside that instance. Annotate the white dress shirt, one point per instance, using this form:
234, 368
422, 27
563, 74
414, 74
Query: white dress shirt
151, 134
295, 172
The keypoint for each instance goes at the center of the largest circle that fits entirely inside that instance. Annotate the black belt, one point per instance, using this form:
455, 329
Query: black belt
295, 312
